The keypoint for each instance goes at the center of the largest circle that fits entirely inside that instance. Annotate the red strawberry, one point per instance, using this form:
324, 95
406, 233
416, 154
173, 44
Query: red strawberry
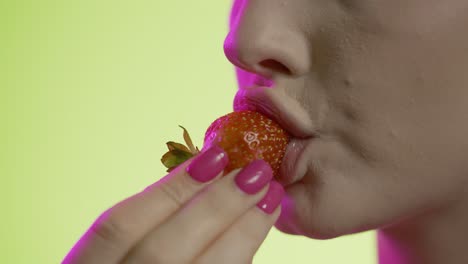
244, 135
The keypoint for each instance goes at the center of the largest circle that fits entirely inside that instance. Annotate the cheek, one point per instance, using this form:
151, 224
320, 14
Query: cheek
395, 148
339, 199
389, 165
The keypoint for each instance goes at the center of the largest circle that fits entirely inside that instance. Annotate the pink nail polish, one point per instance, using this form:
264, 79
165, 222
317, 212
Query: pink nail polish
254, 176
208, 164
272, 198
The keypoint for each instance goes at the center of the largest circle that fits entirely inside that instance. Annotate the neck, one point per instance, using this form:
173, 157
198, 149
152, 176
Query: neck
438, 237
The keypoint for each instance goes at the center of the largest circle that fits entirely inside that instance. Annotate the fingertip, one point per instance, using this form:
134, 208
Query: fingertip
208, 164
272, 199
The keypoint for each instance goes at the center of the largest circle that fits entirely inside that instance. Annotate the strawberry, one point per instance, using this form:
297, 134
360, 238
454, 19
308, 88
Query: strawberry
244, 135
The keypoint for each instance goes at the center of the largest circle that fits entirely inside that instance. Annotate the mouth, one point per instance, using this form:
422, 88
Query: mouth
291, 116
278, 106
295, 163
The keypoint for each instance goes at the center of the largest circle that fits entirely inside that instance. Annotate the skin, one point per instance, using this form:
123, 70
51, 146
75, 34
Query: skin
179, 220
385, 86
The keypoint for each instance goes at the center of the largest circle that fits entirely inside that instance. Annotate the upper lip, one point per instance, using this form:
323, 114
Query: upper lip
275, 104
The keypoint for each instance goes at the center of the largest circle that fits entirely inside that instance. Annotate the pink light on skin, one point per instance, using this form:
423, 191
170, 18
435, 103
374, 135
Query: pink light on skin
244, 78
287, 215
82, 244
247, 79
391, 252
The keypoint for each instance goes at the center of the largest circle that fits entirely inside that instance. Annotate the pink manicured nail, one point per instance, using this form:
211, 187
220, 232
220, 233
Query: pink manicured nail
208, 164
254, 176
272, 198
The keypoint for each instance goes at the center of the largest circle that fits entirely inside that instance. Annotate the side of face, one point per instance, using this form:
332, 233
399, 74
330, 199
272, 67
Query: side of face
386, 83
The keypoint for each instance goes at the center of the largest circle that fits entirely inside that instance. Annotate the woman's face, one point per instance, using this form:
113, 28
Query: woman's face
384, 87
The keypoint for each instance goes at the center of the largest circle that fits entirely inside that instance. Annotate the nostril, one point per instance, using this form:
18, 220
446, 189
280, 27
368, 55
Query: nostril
275, 66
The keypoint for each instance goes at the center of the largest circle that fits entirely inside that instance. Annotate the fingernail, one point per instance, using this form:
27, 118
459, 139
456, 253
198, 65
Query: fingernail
272, 198
254, 176
208, 164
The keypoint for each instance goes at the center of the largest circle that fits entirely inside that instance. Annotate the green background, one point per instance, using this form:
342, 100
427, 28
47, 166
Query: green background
90, 92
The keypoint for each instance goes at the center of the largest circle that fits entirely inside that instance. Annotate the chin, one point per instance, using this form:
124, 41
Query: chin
303, 223
314, 230
306, 212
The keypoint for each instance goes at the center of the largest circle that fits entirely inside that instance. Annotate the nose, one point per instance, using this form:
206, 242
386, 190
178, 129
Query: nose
263, 40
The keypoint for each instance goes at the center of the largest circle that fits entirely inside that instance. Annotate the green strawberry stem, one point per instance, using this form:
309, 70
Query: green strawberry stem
179, 153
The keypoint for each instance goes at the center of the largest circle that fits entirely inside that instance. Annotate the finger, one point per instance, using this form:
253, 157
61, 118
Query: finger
183, 236
120, 227
243, 239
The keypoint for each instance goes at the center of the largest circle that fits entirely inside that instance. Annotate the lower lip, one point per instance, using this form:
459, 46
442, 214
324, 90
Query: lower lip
294, 165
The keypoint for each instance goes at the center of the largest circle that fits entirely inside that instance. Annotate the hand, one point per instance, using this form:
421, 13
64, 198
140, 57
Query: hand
192, 215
